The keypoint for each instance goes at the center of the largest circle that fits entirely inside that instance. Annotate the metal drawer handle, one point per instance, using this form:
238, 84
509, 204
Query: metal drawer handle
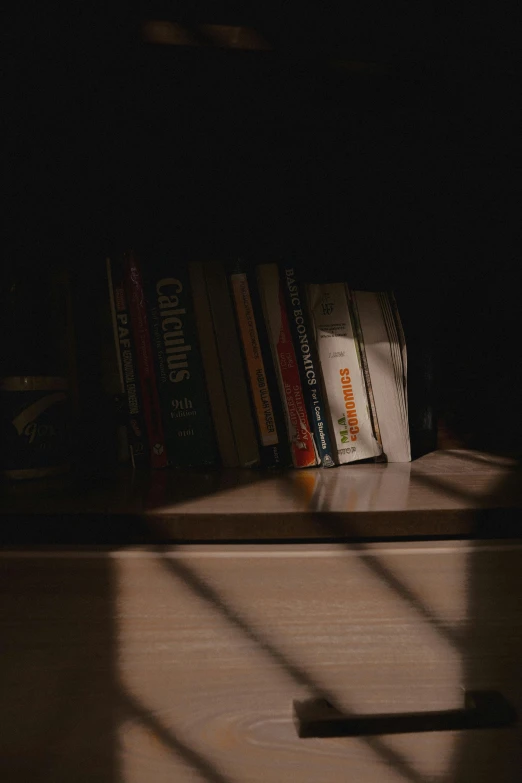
483, 710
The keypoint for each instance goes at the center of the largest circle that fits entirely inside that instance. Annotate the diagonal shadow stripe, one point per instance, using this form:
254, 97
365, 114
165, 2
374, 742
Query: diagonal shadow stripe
484, 461
451, 634
377, 567
339, 530
211, 596
198, 762
486, 501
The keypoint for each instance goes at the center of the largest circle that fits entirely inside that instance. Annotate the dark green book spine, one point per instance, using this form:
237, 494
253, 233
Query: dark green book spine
185, 410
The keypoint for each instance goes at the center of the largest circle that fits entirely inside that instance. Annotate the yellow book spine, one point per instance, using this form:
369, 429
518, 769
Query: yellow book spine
254, 361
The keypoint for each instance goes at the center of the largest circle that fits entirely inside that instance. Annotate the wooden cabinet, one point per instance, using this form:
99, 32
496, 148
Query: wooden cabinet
183, 663
159, 628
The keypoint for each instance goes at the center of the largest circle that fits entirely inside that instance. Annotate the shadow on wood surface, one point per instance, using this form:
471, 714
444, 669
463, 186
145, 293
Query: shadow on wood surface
64, 702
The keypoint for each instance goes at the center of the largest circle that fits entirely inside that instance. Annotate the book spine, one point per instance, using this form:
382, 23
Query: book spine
268, 432
363, 360
301, 440
234, 377
343, 377
186, 416
126, 358
149, 389
213, 372
308, 366
113, 381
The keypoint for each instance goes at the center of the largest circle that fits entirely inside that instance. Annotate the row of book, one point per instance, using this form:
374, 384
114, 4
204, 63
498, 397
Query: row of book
250, 366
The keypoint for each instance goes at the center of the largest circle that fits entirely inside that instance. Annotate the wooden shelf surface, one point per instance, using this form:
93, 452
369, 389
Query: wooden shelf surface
446, 493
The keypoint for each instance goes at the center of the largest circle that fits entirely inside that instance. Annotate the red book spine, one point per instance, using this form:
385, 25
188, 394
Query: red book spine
301, 441
146, 371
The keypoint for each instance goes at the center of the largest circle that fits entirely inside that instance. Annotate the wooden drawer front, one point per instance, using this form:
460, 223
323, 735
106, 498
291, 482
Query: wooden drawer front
182, 665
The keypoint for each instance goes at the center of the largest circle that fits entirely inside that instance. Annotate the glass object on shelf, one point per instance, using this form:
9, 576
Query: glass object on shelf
34, 383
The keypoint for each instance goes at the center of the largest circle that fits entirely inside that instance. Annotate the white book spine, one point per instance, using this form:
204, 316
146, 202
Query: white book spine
342, 374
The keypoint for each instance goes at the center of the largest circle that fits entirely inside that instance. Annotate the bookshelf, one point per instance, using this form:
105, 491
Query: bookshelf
159, 625
454, 493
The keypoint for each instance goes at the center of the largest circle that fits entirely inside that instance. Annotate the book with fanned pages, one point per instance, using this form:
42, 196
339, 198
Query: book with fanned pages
382, 340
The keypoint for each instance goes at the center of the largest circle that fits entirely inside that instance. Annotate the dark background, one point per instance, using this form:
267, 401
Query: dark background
403, 171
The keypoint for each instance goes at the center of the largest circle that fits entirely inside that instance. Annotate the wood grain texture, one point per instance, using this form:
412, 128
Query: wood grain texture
453, 493
182, 664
